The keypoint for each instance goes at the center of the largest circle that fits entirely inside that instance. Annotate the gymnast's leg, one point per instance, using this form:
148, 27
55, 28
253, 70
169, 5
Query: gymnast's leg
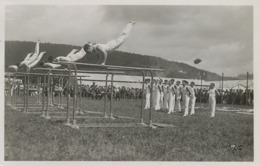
114, 44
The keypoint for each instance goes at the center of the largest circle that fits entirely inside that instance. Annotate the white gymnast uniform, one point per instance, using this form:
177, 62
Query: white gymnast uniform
161, 96
147, 96
212, 101
192, 100
31, 57
36, 61
13, 67
111, 45
186, 99
157, 97
154, 96
171, 99
178, 98
116, 43
73, 56
166, 92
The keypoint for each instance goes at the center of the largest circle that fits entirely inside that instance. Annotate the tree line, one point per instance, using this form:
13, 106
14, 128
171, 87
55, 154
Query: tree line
15, 52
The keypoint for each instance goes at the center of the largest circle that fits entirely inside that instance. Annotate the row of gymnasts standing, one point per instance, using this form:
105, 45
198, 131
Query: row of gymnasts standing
167, 95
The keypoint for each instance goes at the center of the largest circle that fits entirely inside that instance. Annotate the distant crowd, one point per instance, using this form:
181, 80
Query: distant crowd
96, 92
230, 96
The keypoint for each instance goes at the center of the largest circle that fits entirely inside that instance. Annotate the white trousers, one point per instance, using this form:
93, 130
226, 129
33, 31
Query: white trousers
166, 101
171, 102
161, 99
157, 101
178, 104
31, 57
115, 43
153, 98
192, 105
147, 100
212, 106
73, 56
36, 61
186, 104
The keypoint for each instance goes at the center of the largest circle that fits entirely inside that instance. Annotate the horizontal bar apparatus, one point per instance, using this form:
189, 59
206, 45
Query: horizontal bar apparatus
111, 66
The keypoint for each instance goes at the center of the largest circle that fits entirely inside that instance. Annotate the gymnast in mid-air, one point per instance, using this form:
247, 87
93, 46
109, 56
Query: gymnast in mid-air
30, 60
101, 50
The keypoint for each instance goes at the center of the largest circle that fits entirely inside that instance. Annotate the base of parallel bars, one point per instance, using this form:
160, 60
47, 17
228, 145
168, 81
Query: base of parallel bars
105, 116
47, 117
25, 110
80, 112
142, 123
60, 107
74, 125
68, 122
111, 117
151, 125
13, 108
42, 115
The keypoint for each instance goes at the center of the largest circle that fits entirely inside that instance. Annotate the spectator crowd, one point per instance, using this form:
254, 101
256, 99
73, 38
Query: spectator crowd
97, 92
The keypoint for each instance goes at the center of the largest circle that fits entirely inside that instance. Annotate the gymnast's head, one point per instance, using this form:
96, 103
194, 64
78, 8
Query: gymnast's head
88, 47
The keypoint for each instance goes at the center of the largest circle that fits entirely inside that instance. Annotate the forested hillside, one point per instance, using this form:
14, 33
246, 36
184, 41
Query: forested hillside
15, 52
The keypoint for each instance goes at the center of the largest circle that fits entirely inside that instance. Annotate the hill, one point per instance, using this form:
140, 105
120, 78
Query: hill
15, 52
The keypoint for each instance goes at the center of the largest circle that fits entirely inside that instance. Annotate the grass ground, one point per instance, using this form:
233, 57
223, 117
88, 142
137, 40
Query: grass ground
227, 137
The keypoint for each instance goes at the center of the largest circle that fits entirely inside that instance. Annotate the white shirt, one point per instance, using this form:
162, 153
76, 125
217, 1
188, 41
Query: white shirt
178, 90
165, 88
185, 91
212, 93
192, 92
172, 89
148, 88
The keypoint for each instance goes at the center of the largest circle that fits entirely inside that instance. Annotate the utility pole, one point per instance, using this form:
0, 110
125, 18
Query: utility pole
222, 89
246, 87
200, 86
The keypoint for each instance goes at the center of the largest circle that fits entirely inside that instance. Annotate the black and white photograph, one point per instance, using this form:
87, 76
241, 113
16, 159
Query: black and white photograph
128, 82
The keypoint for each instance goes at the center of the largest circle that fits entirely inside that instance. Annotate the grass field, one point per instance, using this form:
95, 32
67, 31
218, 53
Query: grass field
227, 137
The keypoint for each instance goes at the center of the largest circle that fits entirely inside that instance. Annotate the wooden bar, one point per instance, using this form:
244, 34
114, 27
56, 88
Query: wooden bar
110, 66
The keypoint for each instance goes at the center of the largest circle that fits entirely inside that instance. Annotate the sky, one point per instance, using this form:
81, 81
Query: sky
221, 36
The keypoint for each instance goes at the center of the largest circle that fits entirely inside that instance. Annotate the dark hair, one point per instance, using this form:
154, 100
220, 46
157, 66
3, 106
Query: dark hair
50, 58
42, 63
86, 46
